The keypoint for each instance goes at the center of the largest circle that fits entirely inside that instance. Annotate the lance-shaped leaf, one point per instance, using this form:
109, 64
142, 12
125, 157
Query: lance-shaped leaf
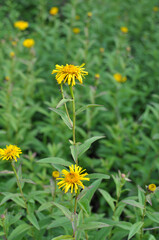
93, 225
87, 106
65, 211
55, 160
64, 117
108, 198
133, 203
134, 229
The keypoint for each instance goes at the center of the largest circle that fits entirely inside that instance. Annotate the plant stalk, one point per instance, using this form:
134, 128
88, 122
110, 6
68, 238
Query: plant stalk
19, 185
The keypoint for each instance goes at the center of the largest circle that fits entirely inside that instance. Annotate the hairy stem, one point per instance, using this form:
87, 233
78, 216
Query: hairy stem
62, 93
143, 217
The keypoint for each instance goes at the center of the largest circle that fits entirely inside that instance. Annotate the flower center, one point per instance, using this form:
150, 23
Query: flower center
70, 69
72, 177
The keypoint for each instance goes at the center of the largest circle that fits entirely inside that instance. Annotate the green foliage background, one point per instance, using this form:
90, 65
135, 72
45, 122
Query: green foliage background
128, 117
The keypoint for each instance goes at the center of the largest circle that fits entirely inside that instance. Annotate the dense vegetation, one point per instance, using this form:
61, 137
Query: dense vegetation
117, 118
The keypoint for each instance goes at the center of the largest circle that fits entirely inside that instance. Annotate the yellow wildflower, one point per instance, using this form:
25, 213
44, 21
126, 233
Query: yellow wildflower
28, 43
69, 73
76, 30
54, 11
119, 78
72, 179
101, 50
55, 174
152, 187
12, 54
14, 43
7, 78
21, 25
89, 14
77, 17
155, 9
10, 152
97, 75
124, 29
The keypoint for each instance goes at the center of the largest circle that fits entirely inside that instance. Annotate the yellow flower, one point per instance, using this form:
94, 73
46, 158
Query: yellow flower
89, 14
21, 25
101, 50
124, 29
10, 152
119, 78
77, 17
28, 43
72, 179
69, 73
12, 54
152, 187
155, 9
54, 11
97, 75
55, 174
14, 43
76, 30
7, 78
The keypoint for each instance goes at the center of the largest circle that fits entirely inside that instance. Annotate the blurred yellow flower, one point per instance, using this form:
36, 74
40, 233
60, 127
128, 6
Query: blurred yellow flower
77, 17
12, 54
97, 75
10, 152
119, 78
14, 43
55, 174
124, 29
152, 187
155, 9
72, 179
69, 73
76, 30
21, 25
101, 50
54, 10
28, 43
7, 78
89, 14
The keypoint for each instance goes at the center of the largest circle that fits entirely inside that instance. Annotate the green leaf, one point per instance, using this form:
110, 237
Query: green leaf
133, 203
124, 225
32, 218
92, 225
18, 231
98, 175
134, 229
55, 160
86, 145
153, 216
63, 237
19, 201
108, 198
65, 211
61, 222
85, 206
63, 101
87, 106
74, 152
64, 117
45, 206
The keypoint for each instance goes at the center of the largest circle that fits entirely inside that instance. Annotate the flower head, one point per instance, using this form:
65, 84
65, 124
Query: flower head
72, 179
12, 54
28, 43
76, 30
10, 152
21, 25
89, 14
7, 78
54, 11
155, 9
119, 78
69, 73
55, 174
14, 43
124, 29
151, 187
97, 75
101, 50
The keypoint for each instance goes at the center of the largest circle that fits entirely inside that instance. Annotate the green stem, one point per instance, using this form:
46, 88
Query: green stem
62, 93
143, 217
74, 118
19, 185
4, 229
